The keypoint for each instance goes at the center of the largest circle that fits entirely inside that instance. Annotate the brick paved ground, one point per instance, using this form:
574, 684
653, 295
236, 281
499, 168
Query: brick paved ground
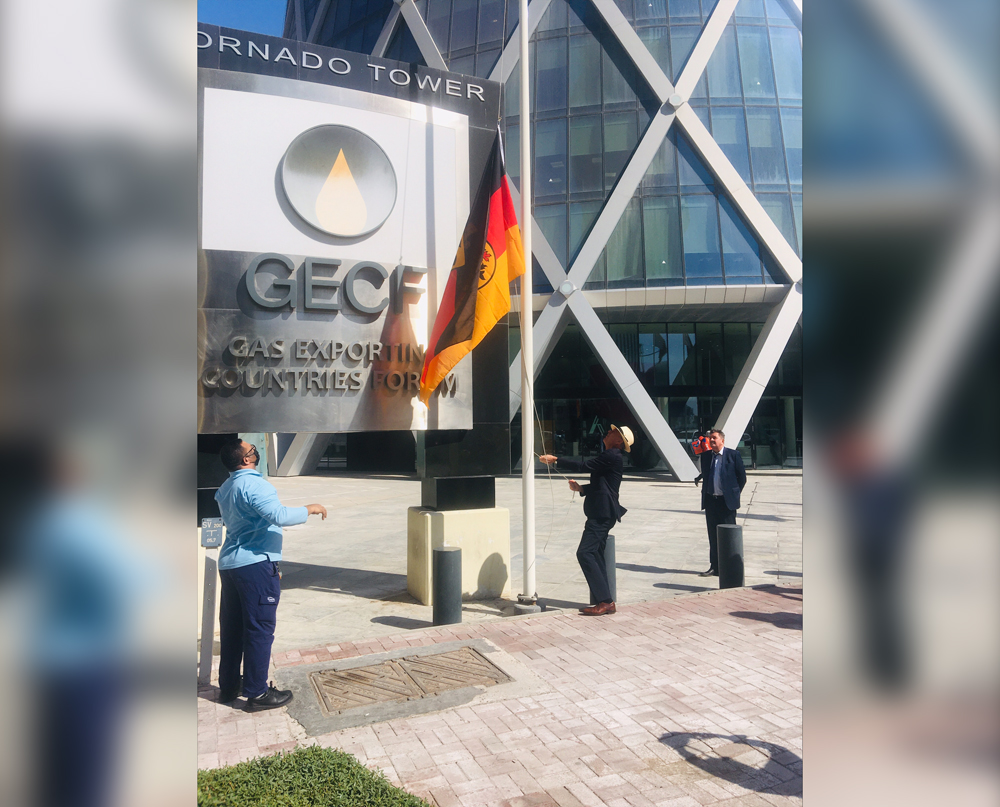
689, 701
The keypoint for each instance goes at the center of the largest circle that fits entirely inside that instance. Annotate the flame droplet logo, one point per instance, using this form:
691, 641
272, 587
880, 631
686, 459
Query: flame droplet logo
339, 181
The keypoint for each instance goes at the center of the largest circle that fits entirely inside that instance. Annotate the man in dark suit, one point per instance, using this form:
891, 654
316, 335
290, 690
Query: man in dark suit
602, 509
723, 477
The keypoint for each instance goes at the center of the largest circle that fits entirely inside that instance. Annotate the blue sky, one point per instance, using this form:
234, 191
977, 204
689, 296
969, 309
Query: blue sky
259, 16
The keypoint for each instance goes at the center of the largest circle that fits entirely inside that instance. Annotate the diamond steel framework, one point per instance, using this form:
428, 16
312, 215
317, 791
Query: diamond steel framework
569, 300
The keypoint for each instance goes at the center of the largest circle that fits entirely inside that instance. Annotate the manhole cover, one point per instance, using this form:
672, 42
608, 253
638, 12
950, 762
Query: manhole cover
404, 679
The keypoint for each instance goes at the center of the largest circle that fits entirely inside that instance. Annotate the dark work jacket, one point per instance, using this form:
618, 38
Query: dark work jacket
600, 497
732, 477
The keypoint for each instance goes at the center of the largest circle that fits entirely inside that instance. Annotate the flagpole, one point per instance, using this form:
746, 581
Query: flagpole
527, 345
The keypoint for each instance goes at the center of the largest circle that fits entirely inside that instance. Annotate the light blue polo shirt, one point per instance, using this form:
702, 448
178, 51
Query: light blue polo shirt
253, 516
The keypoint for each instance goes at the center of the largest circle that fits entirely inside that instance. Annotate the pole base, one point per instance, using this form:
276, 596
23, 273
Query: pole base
527, 604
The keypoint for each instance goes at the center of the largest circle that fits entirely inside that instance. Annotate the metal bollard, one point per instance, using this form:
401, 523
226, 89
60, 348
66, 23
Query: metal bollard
730, 541
446, 584
609, 564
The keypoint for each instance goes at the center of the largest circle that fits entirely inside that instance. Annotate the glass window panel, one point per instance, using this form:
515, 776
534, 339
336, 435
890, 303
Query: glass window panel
485, 61
490, 21
724, 69
513, 15
740, 250
512, 153
736, 341
616, 84
682, 39
750, 11
585, 149
662, 231
776, 11
438, 20
729, 129
779, 207
625, 6
797, 211
700, 227
662, 171
755, 63
597, 278
582, 216
651, 10
584, 71
694, 175
707, 7
624, 251
703, 116
550, 84
708, 349
766, 154
555, 17
657, 41
681, 357
653, 359
685, 11
552, 222
550, 157
626, 338
465, 65
791, 128
787, 49
620, 136
463, 25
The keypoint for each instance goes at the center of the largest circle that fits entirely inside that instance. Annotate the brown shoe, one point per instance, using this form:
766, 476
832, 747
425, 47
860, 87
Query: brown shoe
599, 610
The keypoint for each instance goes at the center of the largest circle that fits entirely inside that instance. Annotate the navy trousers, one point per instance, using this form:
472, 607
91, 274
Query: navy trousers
716, 513
591, 556
247, 616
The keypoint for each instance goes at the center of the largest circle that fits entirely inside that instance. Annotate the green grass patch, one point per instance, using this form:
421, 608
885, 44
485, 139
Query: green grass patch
305, 777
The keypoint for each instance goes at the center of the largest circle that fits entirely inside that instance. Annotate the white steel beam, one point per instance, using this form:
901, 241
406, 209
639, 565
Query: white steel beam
633, 393
303, 455
421, 35
759, 366
510, 55
385, 37
765, 229
318, 20
705, 47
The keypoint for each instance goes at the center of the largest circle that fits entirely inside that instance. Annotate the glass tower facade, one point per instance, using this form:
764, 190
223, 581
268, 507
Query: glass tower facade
590, 108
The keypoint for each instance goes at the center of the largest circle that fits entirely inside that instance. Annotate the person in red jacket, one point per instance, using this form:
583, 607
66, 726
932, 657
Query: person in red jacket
602, 509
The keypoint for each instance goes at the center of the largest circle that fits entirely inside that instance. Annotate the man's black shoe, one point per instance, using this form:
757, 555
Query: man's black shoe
230, 695
272, 699
709, 573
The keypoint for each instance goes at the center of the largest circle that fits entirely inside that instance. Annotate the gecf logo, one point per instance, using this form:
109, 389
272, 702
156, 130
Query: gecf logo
339, 181
338, 291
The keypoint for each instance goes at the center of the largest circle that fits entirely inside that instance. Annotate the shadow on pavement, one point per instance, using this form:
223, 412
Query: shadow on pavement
784, 574
754, 516
681, 587
545, 602
365, 583
781, 591
632, 567
781, 773
402, 622
780, 619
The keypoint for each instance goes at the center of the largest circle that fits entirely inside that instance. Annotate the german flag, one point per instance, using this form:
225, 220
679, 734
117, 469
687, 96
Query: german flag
490, 256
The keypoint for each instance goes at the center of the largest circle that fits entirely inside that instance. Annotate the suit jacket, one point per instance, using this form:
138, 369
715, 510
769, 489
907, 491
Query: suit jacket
733, 477
600, 497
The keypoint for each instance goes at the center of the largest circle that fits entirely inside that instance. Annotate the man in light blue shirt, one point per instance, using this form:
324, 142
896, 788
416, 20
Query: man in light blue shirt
248, 567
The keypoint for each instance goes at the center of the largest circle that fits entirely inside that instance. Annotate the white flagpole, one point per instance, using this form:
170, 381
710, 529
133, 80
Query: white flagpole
527, 346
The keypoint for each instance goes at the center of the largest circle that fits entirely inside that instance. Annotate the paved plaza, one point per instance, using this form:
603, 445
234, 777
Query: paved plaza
687, 696
345, 578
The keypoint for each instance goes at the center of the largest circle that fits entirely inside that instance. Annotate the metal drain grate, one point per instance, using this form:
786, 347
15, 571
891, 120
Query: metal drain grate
404, 679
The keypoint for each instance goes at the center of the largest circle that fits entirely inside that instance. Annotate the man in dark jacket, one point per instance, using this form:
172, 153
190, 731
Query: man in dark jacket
602, 509
723, 477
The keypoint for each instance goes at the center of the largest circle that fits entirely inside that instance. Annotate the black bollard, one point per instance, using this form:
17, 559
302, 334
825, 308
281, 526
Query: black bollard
609, 564
446, 582
730, 541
